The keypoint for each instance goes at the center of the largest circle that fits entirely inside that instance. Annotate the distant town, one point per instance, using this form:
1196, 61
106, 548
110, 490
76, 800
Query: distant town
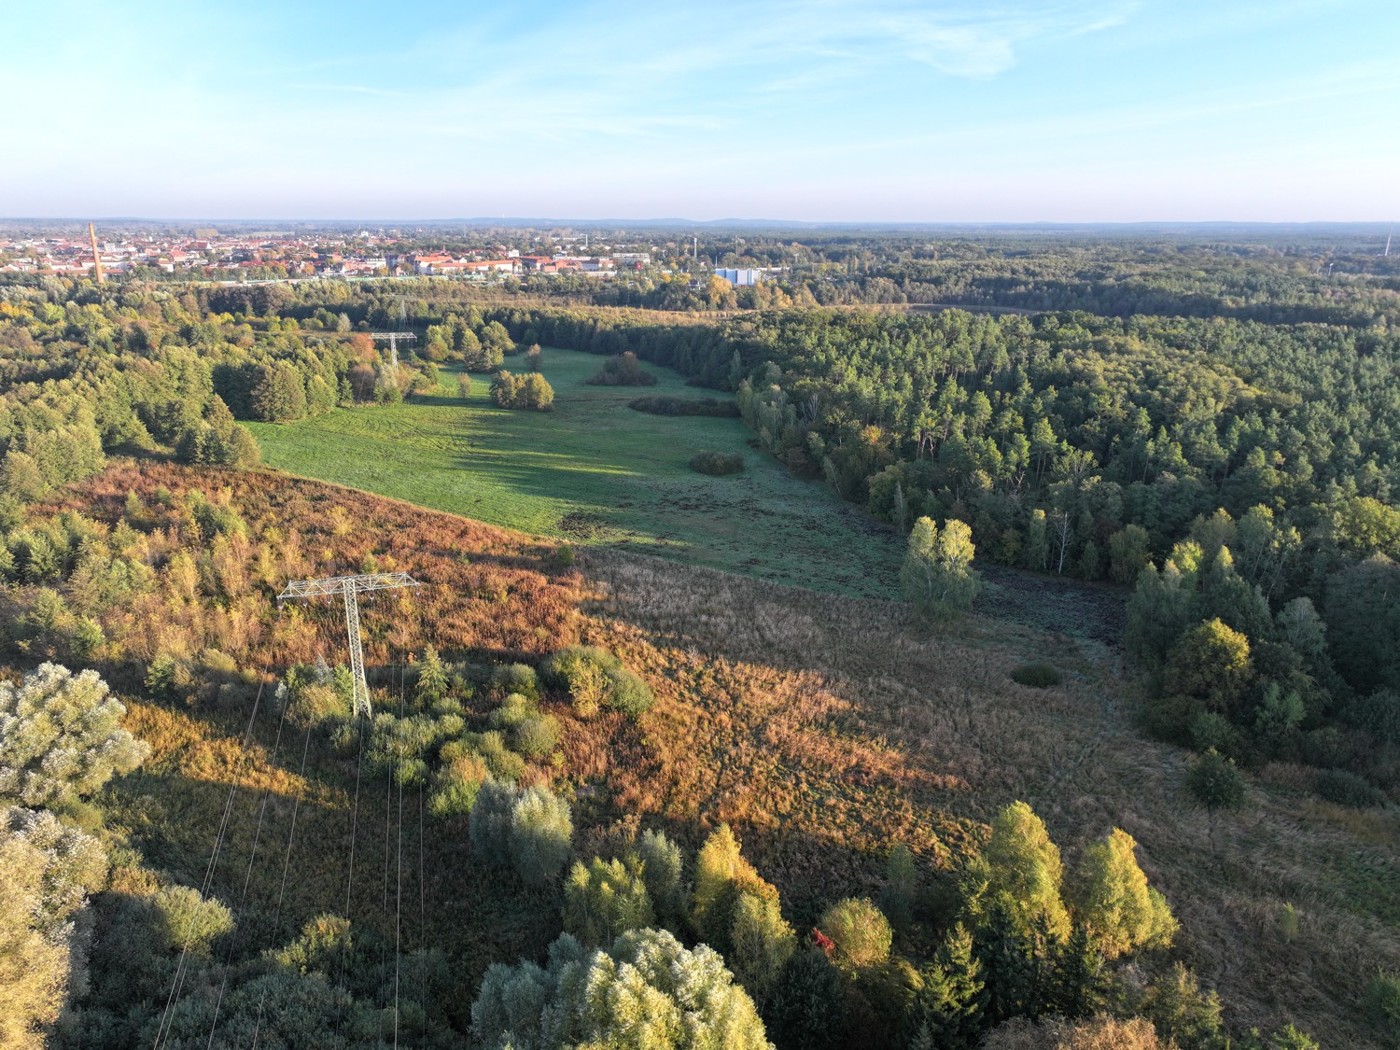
246, 256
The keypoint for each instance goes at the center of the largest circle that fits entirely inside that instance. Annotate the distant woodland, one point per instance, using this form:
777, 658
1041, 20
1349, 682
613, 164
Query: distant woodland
1211, 431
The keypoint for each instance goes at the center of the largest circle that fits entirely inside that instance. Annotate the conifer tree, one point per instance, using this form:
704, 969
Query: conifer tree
947, 1011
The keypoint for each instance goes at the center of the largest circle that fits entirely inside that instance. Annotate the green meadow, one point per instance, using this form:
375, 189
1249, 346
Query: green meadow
595, 472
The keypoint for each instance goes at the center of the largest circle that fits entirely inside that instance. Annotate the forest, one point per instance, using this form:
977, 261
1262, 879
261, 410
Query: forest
524, 845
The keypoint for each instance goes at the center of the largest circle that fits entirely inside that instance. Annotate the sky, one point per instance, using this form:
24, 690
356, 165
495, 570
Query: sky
820, 110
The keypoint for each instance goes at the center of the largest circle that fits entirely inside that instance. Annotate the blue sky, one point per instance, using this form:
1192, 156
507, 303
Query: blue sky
886, 110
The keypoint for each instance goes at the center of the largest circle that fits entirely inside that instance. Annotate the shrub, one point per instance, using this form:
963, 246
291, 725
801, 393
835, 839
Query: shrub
189, 921
514, 710
537, 736
323, 946
1383, 1001
1215, 782
1037, 676
453, 798
1347, 789
628, 693
491, 820
660, 405
490, 748
622, 370
716, 463
540, 831
582, 670
62, 737
1211, 731
517, 678
860, 932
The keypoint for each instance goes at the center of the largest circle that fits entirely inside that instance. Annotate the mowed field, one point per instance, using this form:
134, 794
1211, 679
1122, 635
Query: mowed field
596, 473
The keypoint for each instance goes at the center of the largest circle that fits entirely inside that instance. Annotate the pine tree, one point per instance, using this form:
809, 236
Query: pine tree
947, 1011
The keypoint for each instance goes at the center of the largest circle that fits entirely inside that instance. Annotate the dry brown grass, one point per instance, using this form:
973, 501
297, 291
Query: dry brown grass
827, 729
823, 729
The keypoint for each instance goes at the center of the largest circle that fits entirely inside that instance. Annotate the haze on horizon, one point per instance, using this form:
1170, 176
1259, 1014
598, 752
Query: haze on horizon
826, 110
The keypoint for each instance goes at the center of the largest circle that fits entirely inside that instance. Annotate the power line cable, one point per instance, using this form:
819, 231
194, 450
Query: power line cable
177, 982
248, 874
286, 866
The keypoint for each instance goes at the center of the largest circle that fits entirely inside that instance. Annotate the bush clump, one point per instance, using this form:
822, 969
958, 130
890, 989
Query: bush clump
622, 370
1347, 789
661, 405
859, 931
628, 693
536, 737
718, 464
531, 391
1215, 782
490, 748
517, 678
1383, 1001
1037, 676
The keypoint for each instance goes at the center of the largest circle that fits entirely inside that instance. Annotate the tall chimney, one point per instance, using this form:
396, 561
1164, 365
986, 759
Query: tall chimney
96, 256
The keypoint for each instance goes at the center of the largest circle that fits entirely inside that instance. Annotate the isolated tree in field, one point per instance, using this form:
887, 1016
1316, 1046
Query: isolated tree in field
61, 737
1020, 871
648, 991
937, 574
1113, 902
536, 393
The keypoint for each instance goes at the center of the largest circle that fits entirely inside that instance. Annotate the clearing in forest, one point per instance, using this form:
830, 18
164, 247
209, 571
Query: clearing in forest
596, 473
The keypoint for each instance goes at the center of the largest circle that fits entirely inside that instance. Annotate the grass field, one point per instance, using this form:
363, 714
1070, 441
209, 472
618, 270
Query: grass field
597, 473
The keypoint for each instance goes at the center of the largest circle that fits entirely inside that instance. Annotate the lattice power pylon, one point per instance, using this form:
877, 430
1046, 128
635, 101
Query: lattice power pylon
394, 338
349, 587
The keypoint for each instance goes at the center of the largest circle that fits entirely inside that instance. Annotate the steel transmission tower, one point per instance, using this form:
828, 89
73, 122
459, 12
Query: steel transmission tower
394, 339
349, 587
